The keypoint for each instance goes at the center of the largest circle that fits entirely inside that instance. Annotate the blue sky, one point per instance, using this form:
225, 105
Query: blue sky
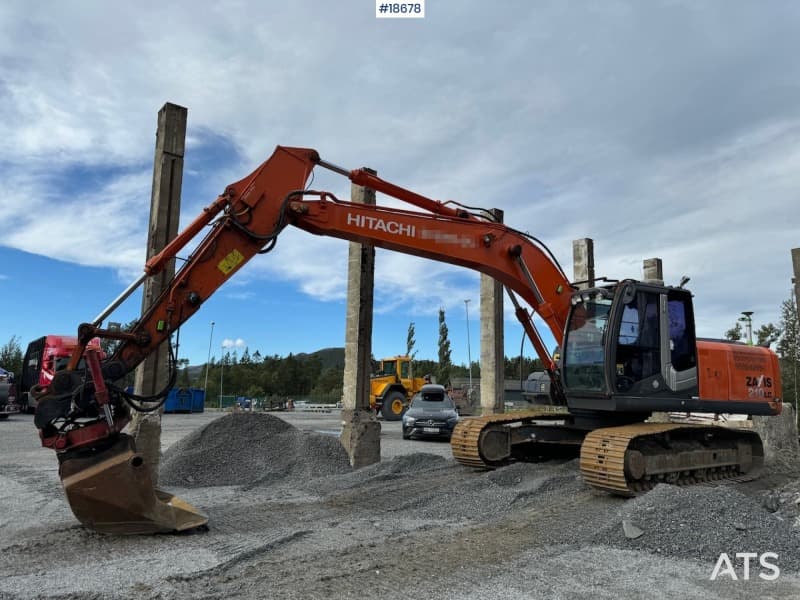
667, 129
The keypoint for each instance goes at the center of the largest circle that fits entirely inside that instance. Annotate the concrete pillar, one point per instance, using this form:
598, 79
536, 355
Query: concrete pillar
492, 342
779, 434
360, 428
152, 375
583, 262
653, 270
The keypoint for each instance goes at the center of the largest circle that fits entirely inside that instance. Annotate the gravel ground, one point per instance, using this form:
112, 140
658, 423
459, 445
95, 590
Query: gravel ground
289, 519
668, 516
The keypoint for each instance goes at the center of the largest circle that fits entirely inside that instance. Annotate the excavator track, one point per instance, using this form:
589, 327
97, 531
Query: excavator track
633, 459
469, 435
626, 460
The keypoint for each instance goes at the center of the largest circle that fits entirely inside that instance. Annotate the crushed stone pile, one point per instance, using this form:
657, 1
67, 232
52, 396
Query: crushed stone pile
428, 486
496, 492
701, 522
251, 450
400, 466
387, 470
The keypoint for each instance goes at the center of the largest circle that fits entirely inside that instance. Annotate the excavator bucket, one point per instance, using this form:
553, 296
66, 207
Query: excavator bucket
111, 491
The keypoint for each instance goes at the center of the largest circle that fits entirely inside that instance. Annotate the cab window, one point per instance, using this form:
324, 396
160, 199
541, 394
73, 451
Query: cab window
404, 369
584, 355
638, 345
681, 332
388, 367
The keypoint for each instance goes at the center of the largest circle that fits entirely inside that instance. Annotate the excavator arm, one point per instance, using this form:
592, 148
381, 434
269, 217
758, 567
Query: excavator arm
82, 412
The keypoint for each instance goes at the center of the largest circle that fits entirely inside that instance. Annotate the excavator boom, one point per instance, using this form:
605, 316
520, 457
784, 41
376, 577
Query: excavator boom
107, 483
81, 414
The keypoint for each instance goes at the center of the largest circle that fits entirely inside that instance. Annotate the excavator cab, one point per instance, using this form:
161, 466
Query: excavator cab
630, 348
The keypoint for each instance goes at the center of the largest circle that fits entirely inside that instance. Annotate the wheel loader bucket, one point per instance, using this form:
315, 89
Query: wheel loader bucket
111, 491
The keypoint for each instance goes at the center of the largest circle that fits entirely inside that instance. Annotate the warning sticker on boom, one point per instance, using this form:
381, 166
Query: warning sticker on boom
230, 262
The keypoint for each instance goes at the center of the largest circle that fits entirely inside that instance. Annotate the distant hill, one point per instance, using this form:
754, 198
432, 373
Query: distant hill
196, 371
329, 357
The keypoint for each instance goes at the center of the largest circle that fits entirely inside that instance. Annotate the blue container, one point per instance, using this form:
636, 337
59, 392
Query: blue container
179, 400
198, 400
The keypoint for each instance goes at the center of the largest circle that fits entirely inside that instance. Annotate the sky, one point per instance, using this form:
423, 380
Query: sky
663, 129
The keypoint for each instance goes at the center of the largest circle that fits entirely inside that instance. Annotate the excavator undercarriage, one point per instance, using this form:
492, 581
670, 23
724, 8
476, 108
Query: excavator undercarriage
626, 460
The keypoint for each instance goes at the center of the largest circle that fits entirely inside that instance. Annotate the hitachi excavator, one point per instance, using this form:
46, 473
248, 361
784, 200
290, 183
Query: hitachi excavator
628, 348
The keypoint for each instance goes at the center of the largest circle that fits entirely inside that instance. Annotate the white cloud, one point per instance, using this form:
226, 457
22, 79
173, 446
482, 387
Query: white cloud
249, 295
95, 227
661, 130
237, 343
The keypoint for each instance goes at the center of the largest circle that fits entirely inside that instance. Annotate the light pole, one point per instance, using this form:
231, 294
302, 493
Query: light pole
748, 319
469, 352
221, 369
208, 361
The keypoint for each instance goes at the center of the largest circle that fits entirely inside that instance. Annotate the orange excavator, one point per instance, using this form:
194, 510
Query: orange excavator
628, 348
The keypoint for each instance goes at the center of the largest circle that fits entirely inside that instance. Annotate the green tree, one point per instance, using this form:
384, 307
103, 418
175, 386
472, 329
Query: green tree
410, 341
287, 376
788, 349
329, 382
768, 334
410, 352
254, 391
245, 360
735, 333
445, 362
11, 356
513, 369
425, 367
183, 378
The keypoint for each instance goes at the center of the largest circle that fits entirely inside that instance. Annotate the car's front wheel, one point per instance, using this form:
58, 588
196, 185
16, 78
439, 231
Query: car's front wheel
406, 433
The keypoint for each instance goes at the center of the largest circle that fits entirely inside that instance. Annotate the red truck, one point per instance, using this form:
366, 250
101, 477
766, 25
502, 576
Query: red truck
43, 358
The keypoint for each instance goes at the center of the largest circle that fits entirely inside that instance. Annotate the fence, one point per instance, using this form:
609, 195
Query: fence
319, 402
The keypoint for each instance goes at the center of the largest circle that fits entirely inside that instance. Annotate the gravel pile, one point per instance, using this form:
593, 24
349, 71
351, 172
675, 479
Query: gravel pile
431, 487
401, 466
496, 492
250, 450
475, 495
701, 523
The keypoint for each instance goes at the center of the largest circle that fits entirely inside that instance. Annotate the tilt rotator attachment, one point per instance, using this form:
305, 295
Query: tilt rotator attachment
108, 484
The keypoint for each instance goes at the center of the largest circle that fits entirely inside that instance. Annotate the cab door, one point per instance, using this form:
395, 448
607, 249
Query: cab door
654, 348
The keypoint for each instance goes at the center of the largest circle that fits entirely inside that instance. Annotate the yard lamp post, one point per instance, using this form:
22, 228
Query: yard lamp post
469, 352
208, 361
221, 369
748, 320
